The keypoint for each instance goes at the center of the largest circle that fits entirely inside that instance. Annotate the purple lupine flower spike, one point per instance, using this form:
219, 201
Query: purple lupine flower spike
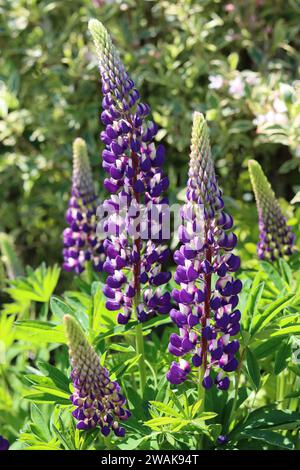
81, 244
207, 296
98, 400
4, 444
135, 179
275, 237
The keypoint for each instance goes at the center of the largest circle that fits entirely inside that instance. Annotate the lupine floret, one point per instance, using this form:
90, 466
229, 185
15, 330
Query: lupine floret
4, 444
207, 296
98, 400
81, 243
276, 238
134, 178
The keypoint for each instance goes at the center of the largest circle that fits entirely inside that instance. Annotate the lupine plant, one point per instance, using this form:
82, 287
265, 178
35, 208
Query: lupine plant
98, 400
206, 301
92, 368
135, 178
81, 244
276, 238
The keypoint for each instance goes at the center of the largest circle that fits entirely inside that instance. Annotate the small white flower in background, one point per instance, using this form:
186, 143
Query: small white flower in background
260, 120
276, 118
216, 82
271, 118
237, 87
287, 90
252, 79
297, 152
279, 106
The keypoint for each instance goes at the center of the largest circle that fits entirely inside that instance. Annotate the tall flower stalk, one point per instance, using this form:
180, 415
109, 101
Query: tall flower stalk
81, 244
136, 182
98, 400
207, 296
276, 239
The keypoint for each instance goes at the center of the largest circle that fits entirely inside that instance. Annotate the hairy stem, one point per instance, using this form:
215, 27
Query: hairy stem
236, 389
201, 396
107, 443
139, 340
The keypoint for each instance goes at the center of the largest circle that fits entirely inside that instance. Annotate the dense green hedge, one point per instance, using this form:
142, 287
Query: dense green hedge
236, 61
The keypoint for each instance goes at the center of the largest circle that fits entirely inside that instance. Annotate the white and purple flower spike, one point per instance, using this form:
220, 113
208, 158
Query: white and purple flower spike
98, 400
81, 243
207, 296
135, 179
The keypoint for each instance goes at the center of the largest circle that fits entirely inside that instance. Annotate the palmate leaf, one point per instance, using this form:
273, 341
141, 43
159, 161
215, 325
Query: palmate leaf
32, 442
157, 423
173, 419
166, 409
37, 286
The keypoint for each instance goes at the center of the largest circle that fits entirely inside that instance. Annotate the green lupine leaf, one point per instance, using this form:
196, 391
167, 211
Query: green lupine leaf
166, 409
270, 437
60, 308
48, 395
39, 332
40, 422
253, 368
289, 330
58, 378
125, 367
268, 417
282, 357
121, 348
267, 348
272, 310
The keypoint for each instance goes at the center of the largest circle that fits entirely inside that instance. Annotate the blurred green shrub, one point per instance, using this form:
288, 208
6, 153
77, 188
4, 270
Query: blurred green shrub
237, 61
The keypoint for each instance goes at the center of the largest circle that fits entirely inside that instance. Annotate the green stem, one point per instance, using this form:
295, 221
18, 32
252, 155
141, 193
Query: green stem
236, 389
139, 341
280, 389
201, 396
89, 273
107, 443
201, 389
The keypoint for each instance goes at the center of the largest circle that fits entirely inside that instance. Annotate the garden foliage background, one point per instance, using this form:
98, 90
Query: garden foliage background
237, 62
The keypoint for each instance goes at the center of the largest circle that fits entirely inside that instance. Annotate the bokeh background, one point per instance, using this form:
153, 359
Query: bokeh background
238, 62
